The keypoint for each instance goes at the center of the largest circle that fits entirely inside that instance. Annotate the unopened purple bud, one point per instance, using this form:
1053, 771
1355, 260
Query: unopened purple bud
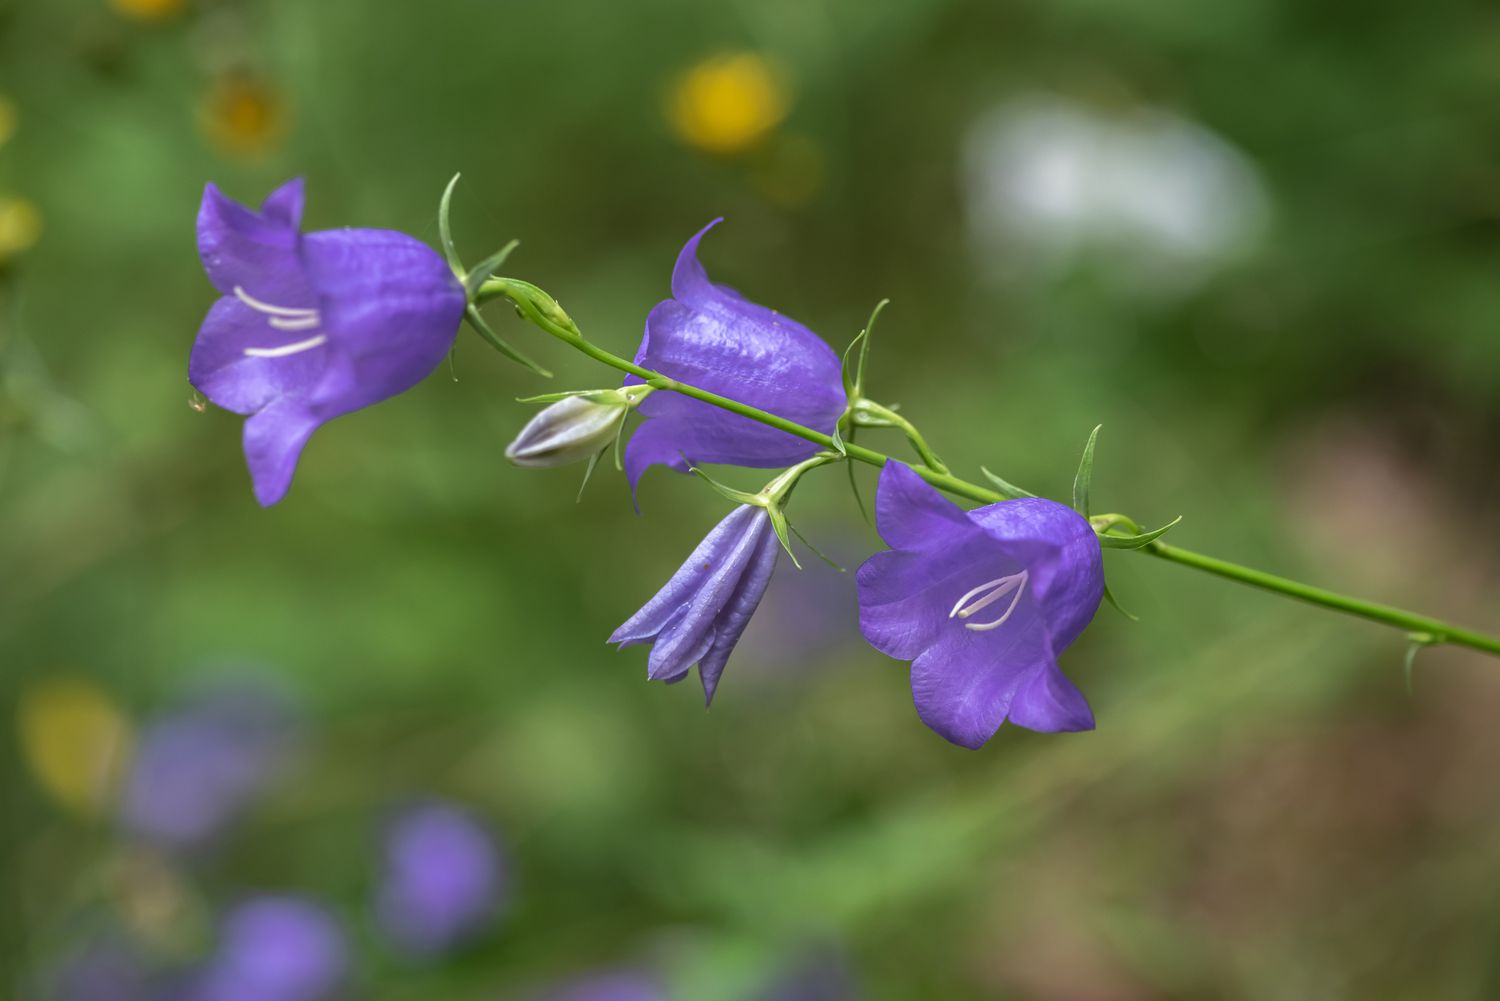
443, 879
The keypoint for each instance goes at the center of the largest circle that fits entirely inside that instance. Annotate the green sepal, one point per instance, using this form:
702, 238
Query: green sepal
1418, 642
445, 230
487, 267
593, 461
838, 441
854, 385
780, 525
619, 440
1140, 541
1115, 604
1009, 490
815, 550
1085, 474
471, 313
724, 490
604, 396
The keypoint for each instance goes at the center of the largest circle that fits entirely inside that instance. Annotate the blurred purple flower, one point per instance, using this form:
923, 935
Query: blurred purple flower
274, 949
442, 881
821, 975
699, 615
196, 769
712, 337
1035, 565
621, 985
312, 327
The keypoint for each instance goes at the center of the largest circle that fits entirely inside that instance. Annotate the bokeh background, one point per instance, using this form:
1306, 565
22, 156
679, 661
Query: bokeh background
1259, 240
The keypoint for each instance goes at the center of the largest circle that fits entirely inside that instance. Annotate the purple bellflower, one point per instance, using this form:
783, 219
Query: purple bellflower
312, 326
699, 615
442, 881
275, 949
711, 337
981, 603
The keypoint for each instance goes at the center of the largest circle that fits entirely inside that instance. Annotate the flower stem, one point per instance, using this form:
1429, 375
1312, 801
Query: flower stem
1428, 631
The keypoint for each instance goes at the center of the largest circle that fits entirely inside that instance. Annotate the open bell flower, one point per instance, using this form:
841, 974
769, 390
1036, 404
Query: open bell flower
700, 614
981, 602
712, 337
312, 326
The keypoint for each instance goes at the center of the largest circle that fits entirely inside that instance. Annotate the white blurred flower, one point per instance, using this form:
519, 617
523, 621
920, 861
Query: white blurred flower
1155, 198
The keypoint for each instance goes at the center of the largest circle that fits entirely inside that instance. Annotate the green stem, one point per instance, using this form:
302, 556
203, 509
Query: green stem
868, 413
545, 313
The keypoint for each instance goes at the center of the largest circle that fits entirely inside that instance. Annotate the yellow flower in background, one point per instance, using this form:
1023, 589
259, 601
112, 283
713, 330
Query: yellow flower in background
727, 103
20, 226
147, 10
10, 117
243, 115
75, 741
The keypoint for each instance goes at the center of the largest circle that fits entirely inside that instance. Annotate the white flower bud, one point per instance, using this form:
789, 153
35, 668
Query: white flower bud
570, 430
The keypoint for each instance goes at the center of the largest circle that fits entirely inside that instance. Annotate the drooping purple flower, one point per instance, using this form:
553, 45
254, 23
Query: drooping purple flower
274, 949
698, 617
312, 326
981, 602
196, 768
712, 337
442, 879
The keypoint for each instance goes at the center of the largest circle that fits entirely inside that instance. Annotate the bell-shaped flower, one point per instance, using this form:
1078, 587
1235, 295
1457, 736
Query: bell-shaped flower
699, 615
712, 337
981, 602
312, 326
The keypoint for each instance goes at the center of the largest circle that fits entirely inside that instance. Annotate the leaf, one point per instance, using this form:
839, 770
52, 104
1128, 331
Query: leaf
1008, 489
486, 268
1109, 597
859, 501
483, 329
1085, 475
723, 489
864, 345
1137, 541
838, 441
816, 552
445, 230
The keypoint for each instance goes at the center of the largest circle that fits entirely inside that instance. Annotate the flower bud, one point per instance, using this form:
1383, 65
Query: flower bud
573, 428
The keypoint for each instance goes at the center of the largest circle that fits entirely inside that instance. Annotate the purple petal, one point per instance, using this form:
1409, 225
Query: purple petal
654, 443
689, 636
222, 371
284, 205
274, 438
713, 338
678, 591
905, 597
911, 514
442, 879
964, 684
1062, 553
1049, 703
254, 252
736, 614
388, 303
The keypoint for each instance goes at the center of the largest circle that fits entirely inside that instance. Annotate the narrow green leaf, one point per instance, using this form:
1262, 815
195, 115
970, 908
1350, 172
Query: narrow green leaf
816, 552
445, 230
1109, 597
619, 438
452, 369
1137, 541
844, 365
1418, 642
486, 268
723, 489
483, 329
838, 442
1085, 475
859, 501
1008, 489
555, 397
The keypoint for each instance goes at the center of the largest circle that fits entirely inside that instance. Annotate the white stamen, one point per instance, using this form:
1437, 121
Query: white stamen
1012, 585
267, 308
288, 349
294, 322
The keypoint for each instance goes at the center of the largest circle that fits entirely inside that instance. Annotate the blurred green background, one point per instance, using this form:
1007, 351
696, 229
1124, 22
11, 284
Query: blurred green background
1259, 240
